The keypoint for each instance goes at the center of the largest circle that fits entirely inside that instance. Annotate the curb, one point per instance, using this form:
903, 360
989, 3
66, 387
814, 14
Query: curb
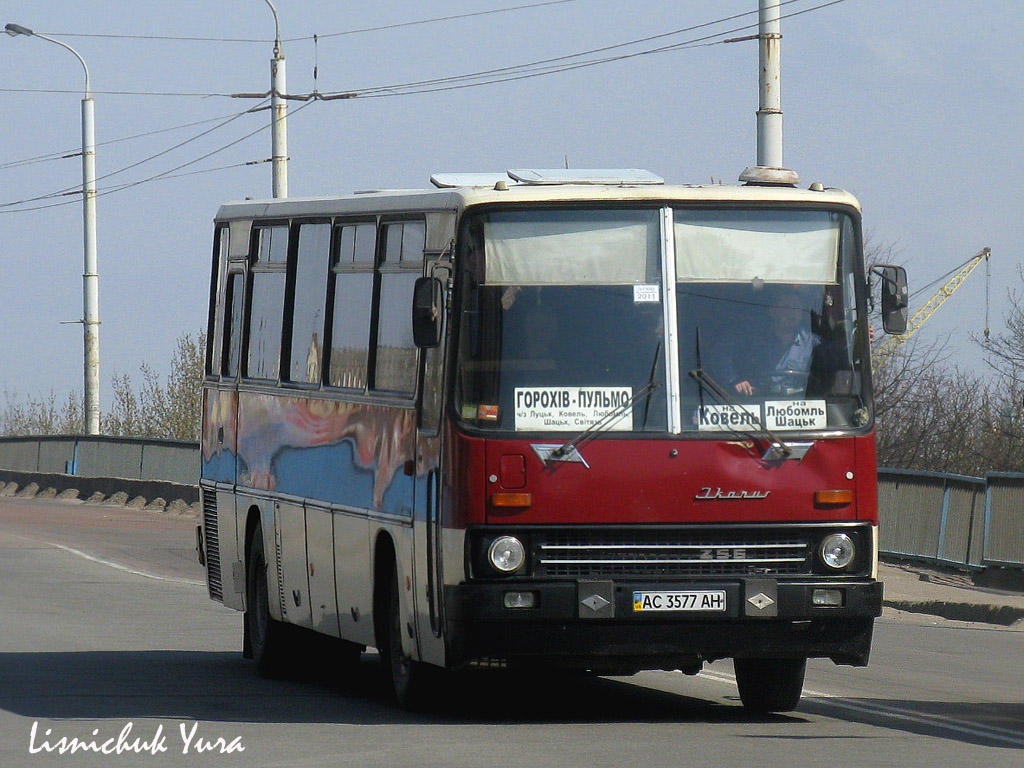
152, 495
1002, 615
87, 486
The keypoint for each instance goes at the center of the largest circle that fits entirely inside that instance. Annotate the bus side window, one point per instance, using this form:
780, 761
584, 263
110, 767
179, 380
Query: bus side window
232, 325
402, 259
266, 303
352, 275
395, 361
216, 322
310, 296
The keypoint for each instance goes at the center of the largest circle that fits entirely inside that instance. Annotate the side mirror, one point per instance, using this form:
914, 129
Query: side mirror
895, 298
427, 312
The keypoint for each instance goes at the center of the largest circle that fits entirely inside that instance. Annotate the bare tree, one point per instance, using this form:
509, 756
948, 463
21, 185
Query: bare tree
156, 409
931, 415
41, 416
1004, 355
941, 422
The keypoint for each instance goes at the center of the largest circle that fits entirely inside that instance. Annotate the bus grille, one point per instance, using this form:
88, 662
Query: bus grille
211, 539
733, 552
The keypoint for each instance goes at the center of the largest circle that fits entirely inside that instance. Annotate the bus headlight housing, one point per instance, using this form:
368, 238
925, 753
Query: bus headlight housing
838, 551
506, 554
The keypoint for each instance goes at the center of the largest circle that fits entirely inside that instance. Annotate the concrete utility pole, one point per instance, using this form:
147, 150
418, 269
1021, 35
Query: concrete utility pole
278, 112
769, 168
90, 275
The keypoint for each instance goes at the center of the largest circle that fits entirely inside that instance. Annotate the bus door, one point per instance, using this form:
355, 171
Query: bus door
428, 492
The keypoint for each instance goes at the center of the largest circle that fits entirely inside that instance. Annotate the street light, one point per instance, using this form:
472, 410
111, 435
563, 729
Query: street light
278, 112
90, 276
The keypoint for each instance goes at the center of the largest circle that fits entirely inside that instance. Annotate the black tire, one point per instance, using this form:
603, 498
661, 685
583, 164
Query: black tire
770, 685
267, 637
408, 679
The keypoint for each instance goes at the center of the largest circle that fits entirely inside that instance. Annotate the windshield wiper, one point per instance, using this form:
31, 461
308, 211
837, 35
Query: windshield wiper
567, 450
778, 450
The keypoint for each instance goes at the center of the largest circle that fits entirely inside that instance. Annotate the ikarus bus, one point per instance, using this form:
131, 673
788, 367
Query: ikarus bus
546, 419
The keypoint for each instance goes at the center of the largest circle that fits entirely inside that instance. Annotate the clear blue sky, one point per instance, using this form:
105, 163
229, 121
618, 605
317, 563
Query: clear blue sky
914, 106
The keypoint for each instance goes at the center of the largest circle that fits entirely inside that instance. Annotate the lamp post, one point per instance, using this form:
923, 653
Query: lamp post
278, 112
90, 275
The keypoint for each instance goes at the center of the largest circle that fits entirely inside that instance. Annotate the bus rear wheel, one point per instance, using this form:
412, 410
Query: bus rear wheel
267, 638
770, 685
408, 678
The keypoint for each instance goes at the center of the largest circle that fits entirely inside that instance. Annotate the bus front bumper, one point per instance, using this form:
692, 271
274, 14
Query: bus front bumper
610, 627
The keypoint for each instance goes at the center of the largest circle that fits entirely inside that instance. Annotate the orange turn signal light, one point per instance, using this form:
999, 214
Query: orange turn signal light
511, 499
833, 498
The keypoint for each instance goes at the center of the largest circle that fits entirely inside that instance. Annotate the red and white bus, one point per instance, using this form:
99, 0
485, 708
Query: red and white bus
561, 419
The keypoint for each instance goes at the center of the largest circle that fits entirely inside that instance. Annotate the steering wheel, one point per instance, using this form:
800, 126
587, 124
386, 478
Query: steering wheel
784, 381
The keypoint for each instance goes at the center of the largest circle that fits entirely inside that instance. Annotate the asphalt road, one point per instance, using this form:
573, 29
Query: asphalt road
106, 633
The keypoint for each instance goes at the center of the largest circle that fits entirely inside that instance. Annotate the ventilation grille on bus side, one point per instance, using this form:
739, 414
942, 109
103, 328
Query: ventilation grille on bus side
280, 577
211, 539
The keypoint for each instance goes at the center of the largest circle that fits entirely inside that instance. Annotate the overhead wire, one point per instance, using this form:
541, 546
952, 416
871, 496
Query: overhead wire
94, 91
499, 75
381, 28
487, 77
111, 190
164, 174
181, 144
517, 67
77, 152
239, 140
551, 66
76, 189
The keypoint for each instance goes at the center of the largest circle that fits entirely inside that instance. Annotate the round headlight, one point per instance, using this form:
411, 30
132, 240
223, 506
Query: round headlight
838, 551
507, 554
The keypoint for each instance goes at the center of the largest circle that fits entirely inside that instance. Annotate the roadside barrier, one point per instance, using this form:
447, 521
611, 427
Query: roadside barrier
140, 467
945, 519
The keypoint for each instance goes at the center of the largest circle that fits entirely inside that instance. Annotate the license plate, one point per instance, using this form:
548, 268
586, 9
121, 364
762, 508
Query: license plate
688, 600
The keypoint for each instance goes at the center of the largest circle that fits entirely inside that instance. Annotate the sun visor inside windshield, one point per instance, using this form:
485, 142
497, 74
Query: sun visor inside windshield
569, 252
797, 247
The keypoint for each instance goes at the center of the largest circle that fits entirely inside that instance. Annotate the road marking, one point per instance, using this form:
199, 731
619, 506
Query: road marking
125, 568
991, 732
110, 563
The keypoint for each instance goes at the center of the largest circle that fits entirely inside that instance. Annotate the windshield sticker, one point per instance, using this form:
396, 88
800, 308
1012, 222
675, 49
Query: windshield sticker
487, 412
646, 294
573, 409
728, 418
796, 414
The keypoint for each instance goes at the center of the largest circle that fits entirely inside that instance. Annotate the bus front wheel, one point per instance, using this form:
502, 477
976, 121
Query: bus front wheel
770, 685
408, 678
266, 636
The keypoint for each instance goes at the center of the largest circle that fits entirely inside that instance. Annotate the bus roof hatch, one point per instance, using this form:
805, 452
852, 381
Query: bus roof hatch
626, 176
548, 176
452, 180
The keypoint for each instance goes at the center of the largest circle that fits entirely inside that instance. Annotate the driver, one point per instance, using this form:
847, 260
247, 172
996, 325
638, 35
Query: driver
786, 349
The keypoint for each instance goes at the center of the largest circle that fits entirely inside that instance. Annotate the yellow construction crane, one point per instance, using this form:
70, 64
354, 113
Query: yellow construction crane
884, 351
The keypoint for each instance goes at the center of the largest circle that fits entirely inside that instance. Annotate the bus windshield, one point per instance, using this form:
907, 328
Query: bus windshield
564, 312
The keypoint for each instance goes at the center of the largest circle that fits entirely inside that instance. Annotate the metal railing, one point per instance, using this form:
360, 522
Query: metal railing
968, 522
144, 466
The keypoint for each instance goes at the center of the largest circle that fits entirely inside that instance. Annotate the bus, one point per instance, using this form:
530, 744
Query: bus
556, 420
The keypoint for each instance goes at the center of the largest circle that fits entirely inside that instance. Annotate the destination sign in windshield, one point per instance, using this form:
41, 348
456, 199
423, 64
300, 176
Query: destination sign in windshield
570, 409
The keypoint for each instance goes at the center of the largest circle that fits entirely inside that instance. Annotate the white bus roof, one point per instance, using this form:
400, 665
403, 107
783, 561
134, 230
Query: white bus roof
457, 191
